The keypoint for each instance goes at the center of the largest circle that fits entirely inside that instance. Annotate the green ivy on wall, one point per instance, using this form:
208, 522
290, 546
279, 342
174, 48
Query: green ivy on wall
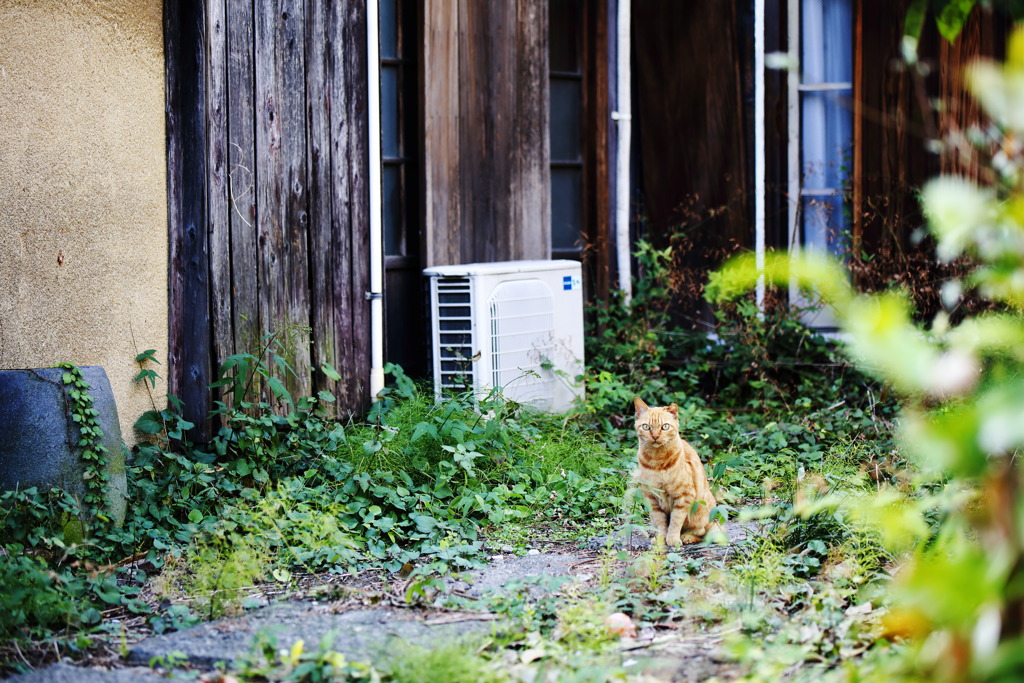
94, 454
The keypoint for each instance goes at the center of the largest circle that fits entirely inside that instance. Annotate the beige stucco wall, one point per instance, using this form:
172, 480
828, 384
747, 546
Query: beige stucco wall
83, 208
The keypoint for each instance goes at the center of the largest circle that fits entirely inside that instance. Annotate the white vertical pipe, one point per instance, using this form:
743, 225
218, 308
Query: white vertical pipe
376, 293
759, 148
793, 137
623, 118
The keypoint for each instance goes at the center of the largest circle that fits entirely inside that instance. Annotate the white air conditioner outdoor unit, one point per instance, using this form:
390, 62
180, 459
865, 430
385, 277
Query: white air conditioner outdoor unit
513, 325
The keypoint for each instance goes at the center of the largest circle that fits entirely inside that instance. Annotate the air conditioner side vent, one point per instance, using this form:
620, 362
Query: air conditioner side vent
453, 308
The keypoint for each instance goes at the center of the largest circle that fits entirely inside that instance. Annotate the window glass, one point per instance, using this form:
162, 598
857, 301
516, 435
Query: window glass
389, 112
388, 17
392, 209
826, 121
565, 120
825, 222
565, 123
826, 139
566, 198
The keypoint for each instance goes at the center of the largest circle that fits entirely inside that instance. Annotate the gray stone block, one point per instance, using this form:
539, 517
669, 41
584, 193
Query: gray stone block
39, 440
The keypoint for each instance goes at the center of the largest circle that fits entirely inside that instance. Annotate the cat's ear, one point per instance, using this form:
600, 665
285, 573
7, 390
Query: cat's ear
640, 406
674, 409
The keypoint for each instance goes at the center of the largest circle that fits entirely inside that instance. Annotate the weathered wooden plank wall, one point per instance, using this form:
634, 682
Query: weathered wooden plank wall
898, 117
893, 133
983, 36
350, 208
318, 172
217, 190
244, 326
485, 94
598, 184
267, 159
530, 210
689, 75
281, 186
189, 352
442, 155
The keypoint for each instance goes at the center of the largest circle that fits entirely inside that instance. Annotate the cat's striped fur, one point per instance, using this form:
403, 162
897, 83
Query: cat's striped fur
671, 477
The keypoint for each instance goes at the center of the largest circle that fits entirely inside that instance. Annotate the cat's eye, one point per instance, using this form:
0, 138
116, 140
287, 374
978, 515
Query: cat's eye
646, 427
665, 427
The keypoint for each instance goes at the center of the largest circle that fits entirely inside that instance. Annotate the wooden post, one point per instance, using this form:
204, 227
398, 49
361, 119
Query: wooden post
189, 353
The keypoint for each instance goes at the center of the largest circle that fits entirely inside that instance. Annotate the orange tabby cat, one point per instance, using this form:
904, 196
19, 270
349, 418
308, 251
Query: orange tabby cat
671, 477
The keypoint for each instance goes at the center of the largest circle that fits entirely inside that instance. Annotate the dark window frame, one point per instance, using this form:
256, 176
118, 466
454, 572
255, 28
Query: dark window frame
405, 328
407, 160
582, 44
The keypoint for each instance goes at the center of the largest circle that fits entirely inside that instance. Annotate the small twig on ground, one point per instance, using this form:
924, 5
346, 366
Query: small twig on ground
457, 618
626, 647
673, 638
583, 562
22, 657
132, 559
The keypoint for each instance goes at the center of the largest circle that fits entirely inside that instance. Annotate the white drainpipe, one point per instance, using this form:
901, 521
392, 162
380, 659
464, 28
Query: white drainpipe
623, 117
376, 293
793, 138
759, 148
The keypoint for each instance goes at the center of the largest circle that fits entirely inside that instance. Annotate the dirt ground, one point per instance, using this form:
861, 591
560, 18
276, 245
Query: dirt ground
366, 610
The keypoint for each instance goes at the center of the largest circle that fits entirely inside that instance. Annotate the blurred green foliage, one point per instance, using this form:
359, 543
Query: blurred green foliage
961, 594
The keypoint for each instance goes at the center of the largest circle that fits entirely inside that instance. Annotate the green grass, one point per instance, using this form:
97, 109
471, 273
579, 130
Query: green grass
458, 663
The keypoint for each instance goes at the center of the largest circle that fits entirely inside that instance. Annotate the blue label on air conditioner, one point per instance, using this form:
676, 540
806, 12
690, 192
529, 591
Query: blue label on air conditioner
570, 282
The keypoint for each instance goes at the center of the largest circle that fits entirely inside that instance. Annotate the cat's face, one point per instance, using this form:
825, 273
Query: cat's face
655, 425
